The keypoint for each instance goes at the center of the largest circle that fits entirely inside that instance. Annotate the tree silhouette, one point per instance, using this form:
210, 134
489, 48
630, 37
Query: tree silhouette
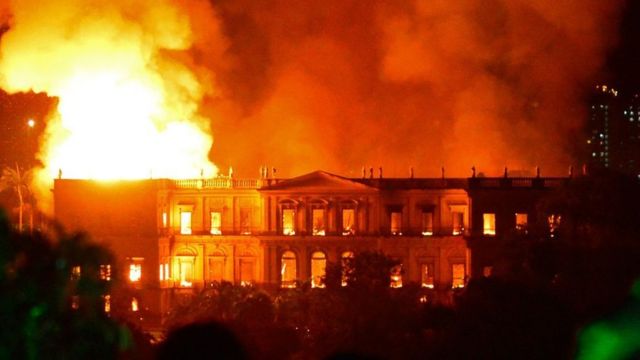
19, 181
52, 303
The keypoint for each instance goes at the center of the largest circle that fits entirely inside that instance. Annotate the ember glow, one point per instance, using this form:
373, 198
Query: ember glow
127, 85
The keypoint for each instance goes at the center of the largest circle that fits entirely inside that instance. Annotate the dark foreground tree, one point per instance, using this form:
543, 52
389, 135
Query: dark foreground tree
52, 303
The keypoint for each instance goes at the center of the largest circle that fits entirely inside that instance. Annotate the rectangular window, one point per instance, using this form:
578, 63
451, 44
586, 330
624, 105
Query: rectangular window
458, 275
487, 271
216, 223
427, 276
348, 221
396, 277
457, 223
246, 272
554, 224
317, 216
489, 224
245, 221
427, 223
522, 220
166, 272
161, 272
135, 272
164, 219
75, 272
288, 222
396, 223
216, 268
105, 272
185, 222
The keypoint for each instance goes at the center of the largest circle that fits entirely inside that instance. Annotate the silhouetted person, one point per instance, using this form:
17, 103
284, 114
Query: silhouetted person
201, 340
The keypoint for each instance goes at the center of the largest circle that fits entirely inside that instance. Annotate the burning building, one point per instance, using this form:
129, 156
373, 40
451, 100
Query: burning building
173, 237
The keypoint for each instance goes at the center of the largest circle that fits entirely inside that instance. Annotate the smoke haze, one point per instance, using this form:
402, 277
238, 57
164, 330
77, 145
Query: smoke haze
339, 84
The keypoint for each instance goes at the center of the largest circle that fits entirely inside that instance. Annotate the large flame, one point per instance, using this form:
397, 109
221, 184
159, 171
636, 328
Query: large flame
126, 81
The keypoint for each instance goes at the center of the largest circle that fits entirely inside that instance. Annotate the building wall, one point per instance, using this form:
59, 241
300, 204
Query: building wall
120, 215
142, 223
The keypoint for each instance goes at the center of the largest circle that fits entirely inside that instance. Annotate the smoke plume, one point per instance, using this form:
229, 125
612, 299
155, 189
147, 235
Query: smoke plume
335, 85
341, 84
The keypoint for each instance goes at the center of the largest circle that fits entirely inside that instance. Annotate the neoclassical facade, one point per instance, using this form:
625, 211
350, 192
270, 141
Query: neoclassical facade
174, 237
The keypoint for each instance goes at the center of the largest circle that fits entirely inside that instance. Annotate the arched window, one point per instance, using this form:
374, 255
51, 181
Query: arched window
318, 269
288, 269
185, 261
347, 266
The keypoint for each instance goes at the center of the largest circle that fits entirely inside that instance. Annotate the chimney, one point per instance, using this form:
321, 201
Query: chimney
371, 173
364, 172
380, 173
411, 172
442, 172
506, 172
273, 172
473, 171
537, 171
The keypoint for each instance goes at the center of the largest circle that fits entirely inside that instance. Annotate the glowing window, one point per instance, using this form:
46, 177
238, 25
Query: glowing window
318, 269
457, 222
489, 224
105, 272
522, 220
134, 304
246, 272
107, 303
161, 272
554, 224
427, 223
348, 221
75, 302
427, 279
164, 219
245, 221
216, 268
347, 259
458, 275
185, 222
288, 270
135, 272
396, 277
288, 222
185, 268
396, 223
75, 272
317, 216
216, 223
487, 271
166, 271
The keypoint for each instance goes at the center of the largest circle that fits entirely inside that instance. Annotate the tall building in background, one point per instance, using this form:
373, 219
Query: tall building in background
629, 141
604, 108
613, 131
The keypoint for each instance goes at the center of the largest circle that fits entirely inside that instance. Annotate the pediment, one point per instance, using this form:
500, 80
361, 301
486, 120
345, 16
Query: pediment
319, 181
